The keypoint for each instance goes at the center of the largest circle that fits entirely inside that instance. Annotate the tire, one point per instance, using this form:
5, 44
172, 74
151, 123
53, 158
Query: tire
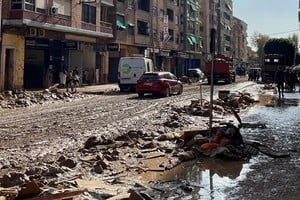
167, 91
180, 90
141, 94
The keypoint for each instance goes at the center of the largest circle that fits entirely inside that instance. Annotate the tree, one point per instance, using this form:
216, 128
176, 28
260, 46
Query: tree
282, 46
258, 41
295, 39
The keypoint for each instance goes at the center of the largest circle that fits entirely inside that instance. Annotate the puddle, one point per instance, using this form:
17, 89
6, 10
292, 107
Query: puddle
205, 178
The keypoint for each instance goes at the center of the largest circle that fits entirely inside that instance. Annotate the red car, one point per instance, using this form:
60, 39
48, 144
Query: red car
160, 83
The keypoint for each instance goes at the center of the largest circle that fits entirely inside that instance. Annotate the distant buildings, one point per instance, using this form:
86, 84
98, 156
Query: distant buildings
41, 38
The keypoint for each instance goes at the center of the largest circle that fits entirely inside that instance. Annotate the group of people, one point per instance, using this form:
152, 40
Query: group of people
69, 79
285, 79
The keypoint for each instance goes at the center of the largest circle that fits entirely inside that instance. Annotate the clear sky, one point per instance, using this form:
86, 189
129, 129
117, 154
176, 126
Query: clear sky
276, 18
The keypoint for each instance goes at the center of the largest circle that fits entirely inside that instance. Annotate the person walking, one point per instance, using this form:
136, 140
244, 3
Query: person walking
69, 80
279, 80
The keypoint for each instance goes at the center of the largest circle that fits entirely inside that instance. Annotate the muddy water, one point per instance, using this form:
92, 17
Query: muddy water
219, 179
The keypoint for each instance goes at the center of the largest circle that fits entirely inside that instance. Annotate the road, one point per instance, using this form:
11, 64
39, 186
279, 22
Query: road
38, 135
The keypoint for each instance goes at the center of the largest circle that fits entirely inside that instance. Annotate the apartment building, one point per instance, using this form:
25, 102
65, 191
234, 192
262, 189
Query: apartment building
218, 15
41, 38
239, 41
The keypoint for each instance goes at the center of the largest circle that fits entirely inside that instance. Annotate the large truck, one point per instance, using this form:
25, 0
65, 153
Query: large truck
223, 69
271, 63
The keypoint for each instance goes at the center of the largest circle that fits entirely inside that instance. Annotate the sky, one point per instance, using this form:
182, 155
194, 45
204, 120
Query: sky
275, 18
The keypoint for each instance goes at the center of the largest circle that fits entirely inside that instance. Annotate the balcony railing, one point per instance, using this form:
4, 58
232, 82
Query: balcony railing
106, 27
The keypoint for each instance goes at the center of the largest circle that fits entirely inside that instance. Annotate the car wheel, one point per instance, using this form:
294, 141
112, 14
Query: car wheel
141, 94
180, 90
167, 91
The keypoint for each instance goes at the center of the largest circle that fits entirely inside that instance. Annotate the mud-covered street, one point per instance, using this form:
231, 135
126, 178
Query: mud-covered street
56, 140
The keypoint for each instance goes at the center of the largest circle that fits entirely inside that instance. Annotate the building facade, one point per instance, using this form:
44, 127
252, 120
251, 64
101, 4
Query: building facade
42, 38
239, 41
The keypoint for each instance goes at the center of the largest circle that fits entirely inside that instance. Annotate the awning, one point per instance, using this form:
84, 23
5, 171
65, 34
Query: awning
190, 41
193, 7
120, 24
193, 38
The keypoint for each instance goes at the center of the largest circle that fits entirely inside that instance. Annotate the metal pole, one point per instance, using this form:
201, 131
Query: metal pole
211, 96
212, 51
200, 92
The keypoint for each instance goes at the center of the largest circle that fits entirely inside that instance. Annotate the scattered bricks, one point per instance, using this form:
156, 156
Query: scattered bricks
91, 142
98, 168
68, 163
13, 179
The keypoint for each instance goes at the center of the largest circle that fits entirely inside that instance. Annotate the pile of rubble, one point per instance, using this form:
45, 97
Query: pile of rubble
23, 98
221, 106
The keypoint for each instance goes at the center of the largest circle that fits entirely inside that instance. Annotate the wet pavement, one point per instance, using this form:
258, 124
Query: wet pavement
262, 177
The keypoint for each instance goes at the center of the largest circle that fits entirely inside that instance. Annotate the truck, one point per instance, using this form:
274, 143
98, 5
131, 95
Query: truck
271, 63
223, 69
130, 69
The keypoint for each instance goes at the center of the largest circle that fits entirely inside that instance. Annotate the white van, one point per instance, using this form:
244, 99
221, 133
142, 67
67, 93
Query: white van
131, 69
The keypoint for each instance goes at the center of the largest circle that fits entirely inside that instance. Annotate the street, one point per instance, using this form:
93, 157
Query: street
36, 137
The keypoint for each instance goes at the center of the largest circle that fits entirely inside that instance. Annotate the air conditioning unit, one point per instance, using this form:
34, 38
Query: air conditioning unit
53, 10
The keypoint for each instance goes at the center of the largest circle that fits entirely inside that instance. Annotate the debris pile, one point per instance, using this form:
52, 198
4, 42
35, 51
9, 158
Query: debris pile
23, 98
221, 106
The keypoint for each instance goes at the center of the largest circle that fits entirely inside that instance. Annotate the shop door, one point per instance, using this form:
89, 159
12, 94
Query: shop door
34, 69
9, 69
76, 62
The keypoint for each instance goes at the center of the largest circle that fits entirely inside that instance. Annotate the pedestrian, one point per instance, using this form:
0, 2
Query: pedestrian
279, 80
69, 81
62, 78
75, 80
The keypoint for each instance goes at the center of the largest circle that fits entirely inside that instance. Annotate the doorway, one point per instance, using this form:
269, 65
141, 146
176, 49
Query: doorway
9, 69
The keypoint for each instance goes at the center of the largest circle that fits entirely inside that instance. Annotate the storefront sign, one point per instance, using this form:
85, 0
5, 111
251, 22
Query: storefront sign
164, 53
40, 43
71, 45
113, 47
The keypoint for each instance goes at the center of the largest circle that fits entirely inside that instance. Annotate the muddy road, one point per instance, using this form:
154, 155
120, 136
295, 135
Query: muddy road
25, 132
41, 133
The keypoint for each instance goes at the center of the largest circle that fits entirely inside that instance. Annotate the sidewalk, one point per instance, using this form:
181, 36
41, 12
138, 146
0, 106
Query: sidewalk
96, 89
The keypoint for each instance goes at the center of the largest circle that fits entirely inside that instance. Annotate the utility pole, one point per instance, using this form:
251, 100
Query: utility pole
212, 51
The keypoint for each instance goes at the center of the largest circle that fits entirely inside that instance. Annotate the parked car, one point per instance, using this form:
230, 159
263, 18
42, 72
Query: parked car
195, 74
159, 83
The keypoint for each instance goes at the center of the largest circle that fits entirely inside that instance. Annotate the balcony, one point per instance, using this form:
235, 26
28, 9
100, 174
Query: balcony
106, 27
108, 2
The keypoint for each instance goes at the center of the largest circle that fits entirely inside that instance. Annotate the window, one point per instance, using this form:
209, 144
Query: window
142, 28
154, 11
103, 16
144, 5
121, 22
63, 7
16, 4
88, 14
170, 13
171, 34
30, 5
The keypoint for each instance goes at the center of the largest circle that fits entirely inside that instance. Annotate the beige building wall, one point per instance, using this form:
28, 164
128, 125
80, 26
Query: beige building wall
13, 67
